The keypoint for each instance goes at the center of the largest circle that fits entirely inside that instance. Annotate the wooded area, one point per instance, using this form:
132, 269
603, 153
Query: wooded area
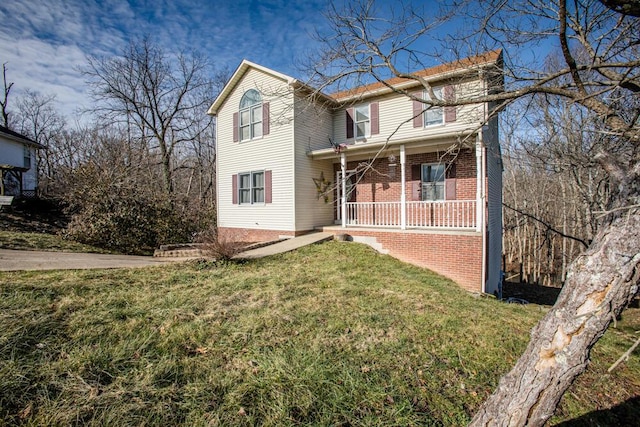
139, 169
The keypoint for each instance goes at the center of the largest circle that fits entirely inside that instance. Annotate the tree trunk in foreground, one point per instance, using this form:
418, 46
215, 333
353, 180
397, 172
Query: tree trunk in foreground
600, 284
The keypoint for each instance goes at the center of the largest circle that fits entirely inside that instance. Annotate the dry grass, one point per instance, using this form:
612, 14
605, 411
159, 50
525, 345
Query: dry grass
43, 242
221, 248
333, 334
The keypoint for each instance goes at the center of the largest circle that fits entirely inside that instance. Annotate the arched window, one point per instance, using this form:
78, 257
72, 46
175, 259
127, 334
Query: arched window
250, 115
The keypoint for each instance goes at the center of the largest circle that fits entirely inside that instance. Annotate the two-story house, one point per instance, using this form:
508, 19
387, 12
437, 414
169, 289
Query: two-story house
18, 175
423, 184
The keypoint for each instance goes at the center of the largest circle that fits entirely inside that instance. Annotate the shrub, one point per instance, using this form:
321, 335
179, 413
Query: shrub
218, 247
128, 223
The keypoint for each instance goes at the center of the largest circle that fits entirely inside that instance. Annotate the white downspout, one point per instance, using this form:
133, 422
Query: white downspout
403, 196
343, 193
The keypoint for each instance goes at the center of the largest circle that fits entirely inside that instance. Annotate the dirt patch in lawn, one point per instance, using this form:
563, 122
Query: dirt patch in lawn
33, 216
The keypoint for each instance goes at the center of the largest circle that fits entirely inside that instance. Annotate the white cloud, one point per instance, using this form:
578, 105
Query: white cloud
45, 44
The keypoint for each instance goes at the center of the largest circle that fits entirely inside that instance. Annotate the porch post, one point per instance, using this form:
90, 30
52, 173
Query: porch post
479, 186
403, 196
343, 198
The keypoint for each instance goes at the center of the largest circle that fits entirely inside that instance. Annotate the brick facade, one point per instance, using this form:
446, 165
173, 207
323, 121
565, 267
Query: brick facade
382, 183
256, 235
457, 256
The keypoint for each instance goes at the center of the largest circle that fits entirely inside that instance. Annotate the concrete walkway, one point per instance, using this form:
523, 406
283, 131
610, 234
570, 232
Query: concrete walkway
11, 260
285, 245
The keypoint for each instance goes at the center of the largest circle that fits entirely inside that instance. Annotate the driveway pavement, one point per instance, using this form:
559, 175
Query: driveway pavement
11, 260
38, 260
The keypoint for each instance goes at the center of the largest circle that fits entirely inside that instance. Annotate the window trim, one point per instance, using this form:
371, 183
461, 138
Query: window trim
251, 109
439, 183
355, 122
27, 157
251, 189
425, 112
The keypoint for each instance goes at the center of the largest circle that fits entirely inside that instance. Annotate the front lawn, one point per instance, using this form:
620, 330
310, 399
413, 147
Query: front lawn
332, 334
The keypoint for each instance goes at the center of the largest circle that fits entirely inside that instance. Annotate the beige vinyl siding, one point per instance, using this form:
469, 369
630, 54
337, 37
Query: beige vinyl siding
271, 152
494, 207
396, 117
313, 127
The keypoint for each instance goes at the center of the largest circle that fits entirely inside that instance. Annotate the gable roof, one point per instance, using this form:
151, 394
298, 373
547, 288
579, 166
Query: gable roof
6, 132
245, 66
442, 70
449, 69
235, 79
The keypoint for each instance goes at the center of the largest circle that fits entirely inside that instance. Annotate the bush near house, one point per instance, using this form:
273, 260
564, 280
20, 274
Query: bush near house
129, 223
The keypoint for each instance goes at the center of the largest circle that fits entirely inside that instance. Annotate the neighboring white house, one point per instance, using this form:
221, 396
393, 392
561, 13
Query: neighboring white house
285, 159
18, 174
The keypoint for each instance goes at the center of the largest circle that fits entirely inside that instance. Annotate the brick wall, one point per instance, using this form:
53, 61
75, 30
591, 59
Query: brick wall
382, 183
456, 256
255, 235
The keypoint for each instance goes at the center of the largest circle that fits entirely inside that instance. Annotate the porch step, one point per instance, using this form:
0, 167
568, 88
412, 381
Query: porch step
371, 241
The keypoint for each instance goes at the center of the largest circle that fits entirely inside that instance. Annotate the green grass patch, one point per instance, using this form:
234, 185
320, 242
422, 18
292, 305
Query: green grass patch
43, 242
332, 334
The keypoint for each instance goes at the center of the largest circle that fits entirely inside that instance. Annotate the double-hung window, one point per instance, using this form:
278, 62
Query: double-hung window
362, 121
27, 156
434, 115
250, 115
433, 181
251, 187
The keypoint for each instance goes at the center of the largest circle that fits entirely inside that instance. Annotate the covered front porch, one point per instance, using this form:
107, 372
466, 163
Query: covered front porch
454, 214
417, 185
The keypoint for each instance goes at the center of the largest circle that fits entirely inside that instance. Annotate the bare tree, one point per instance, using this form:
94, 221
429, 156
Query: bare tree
4, 103
599, 72
158, 97
628, 7
553, 187
39, 119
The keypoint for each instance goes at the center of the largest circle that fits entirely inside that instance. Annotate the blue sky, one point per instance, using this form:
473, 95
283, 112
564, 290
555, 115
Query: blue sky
44, 43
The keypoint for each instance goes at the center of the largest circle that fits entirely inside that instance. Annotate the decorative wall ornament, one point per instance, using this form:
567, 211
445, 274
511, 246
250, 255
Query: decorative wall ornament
323, 187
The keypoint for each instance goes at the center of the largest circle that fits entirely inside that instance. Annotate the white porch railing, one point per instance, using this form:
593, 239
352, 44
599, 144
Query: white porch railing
439, 214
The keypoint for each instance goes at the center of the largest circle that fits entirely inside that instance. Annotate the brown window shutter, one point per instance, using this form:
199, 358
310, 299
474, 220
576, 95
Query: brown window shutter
375, 118
265, 118
418, 108
234, 189
449, 112
451, 171
235, 127
349, 113
416, 191
416, 172
267, 187
450, 189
